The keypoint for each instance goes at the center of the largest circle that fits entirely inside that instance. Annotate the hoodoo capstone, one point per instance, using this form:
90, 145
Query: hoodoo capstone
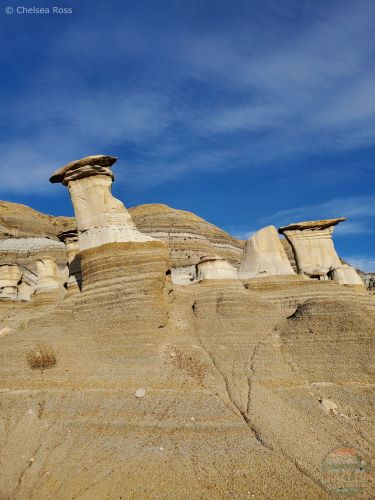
100, 217
315, 253
264, 255
123, 270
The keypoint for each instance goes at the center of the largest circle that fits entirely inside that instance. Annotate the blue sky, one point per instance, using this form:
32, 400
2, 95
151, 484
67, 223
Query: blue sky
248, 113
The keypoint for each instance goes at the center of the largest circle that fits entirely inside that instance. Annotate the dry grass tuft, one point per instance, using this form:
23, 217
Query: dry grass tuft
41, 357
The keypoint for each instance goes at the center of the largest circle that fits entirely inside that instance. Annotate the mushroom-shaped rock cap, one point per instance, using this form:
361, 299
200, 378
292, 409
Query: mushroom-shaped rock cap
312, 224
95, 160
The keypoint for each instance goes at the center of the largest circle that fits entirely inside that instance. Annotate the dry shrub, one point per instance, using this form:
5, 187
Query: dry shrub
41, 357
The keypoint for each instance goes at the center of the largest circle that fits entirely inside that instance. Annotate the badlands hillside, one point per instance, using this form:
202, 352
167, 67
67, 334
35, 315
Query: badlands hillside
146, 353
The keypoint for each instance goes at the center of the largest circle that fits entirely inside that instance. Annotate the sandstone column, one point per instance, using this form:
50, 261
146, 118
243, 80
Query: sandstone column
123, 270
315, 253
100, 217
70, 239
10, 276
264, 255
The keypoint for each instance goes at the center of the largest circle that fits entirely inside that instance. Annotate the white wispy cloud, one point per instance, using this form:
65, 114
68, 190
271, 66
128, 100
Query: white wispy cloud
269, 93
360, 262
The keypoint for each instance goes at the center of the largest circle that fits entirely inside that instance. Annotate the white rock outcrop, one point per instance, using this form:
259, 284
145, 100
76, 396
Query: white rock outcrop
49, 276
70, 239
264, 255
184, 275
10, 276
216, 269
315, 252
347, 275
100, 217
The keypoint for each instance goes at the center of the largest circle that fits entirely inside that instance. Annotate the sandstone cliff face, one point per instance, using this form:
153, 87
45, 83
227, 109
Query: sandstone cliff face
245, 386
21, 221
189, 237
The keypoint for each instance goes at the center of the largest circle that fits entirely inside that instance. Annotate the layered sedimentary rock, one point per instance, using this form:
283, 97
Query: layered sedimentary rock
70, 239
216, 269
264, 255
120, 265
10, 276
315, 253
189, 237
246, 387
21, 221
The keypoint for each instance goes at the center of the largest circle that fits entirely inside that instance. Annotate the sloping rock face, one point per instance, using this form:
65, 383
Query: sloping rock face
189, 237
136, 387
21, 221
233, 388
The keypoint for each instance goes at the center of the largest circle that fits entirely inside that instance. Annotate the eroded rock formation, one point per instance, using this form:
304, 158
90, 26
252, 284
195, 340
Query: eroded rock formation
100, 217
264, 255
216, 269
315, 253
70, 239
49, 276
10, 276
246, 386
118, 262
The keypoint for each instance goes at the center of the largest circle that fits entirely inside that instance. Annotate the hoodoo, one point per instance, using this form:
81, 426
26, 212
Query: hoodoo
315, 253
120, 265
100, 217
264, 255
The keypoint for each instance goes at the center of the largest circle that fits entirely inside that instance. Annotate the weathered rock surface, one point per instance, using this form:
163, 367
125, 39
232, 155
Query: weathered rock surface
264, 255
369, 280
216, 269
246, 386
189, 237
10, 276
100, 217
315, 253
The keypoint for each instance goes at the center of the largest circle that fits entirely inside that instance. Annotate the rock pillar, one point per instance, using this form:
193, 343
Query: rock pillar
264, 255
315, 253
123, 270
70, 239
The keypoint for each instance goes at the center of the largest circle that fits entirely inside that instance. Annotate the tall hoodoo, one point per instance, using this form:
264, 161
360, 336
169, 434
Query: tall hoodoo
100, 217
315, 253
264, 255
120, 265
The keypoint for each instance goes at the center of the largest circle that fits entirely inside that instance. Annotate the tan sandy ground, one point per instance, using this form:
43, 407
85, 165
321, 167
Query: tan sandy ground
233, 375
